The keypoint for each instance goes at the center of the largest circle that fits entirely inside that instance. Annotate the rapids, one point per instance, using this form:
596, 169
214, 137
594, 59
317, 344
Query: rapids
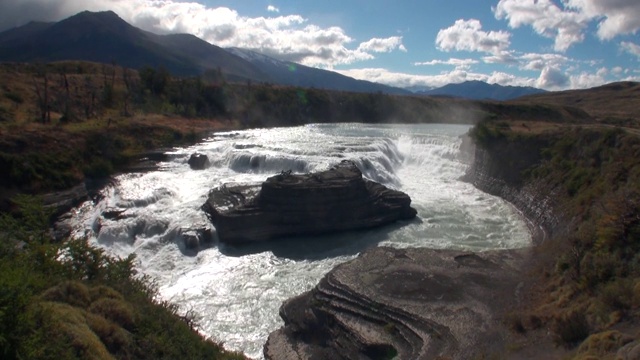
235, 293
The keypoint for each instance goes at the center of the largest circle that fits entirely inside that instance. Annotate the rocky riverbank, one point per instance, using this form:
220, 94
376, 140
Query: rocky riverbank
404, 304
422, 303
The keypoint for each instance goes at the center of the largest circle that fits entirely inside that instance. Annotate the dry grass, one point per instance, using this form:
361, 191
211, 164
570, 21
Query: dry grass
616, 102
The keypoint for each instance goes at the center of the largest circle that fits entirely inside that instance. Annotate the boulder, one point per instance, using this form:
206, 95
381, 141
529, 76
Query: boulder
198, 161
196, 239
338, 199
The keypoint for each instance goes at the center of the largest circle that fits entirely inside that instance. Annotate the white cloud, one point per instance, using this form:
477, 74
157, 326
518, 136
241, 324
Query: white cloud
552, 79
566, 24
631, 78
616, 17
503, 57
537, 62
602, 72
458, 63
586, 80
289, 37
631, 48
385, 76
272, 8
383, 45
546, 18
468, 35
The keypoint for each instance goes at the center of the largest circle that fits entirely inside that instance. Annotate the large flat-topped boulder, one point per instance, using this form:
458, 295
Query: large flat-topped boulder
338, 199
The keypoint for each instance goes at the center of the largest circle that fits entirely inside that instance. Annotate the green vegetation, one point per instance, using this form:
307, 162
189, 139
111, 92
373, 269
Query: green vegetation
62, 122
591, 265
72, 301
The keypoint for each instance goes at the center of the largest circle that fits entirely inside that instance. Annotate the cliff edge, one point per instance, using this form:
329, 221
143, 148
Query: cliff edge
404, 304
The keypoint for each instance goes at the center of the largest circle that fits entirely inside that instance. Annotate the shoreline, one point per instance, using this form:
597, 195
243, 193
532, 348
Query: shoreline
477, 289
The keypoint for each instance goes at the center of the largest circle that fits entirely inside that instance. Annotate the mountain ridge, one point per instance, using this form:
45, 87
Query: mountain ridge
294, 74
106, 38
480, 90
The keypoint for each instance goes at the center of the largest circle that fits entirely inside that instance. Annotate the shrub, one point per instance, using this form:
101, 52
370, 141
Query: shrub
617, 294
99, 168
67, 300
603, 343
115, 310
73, 293
570, 329
15, 97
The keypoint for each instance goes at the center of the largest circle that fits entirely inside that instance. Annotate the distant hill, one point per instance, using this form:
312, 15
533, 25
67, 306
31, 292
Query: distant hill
289, 73
479, 90
616, 103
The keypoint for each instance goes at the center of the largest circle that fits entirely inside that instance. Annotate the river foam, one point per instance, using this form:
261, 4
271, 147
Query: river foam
236, 292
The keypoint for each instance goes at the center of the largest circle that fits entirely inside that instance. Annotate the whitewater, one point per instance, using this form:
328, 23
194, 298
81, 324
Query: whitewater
235, 292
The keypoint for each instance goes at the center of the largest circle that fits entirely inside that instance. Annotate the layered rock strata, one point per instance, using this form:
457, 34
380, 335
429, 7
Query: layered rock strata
498, 169
421, 303
403, 304
338, 199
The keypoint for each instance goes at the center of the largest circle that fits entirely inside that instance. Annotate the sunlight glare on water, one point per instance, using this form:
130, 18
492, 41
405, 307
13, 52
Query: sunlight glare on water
236, 292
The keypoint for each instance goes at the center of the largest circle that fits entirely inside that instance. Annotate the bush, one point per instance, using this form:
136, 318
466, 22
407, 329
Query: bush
115, 310
603, 343
570, 329
99, 168
70, 300
71, 292
618, 294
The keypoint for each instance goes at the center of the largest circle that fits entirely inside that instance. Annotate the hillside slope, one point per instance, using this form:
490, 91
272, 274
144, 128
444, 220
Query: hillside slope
614, 103
105, 37
292, 74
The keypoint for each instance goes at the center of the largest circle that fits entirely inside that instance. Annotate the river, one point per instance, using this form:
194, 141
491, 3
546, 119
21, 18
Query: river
235, 292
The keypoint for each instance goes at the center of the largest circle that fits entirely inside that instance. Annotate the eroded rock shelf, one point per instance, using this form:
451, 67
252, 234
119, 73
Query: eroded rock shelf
404, 304
338, 199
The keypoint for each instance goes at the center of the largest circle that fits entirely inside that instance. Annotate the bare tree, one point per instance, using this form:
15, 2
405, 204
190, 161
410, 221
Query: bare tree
43, 95
67, 106
127, 95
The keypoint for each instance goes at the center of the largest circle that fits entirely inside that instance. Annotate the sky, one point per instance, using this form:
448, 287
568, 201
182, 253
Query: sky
549, 44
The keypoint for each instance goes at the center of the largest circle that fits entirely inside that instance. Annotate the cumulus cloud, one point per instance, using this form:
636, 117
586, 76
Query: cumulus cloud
537, 62
567, 23
458, 63
289, 37
398, 79
468, 35
529, 61
506, 57
272, 8
553, 79
383, 45
547, 19
615, 17
586, 80
631, 48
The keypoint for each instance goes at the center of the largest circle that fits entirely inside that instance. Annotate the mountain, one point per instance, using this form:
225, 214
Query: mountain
479, 90
290, 73
105, 37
